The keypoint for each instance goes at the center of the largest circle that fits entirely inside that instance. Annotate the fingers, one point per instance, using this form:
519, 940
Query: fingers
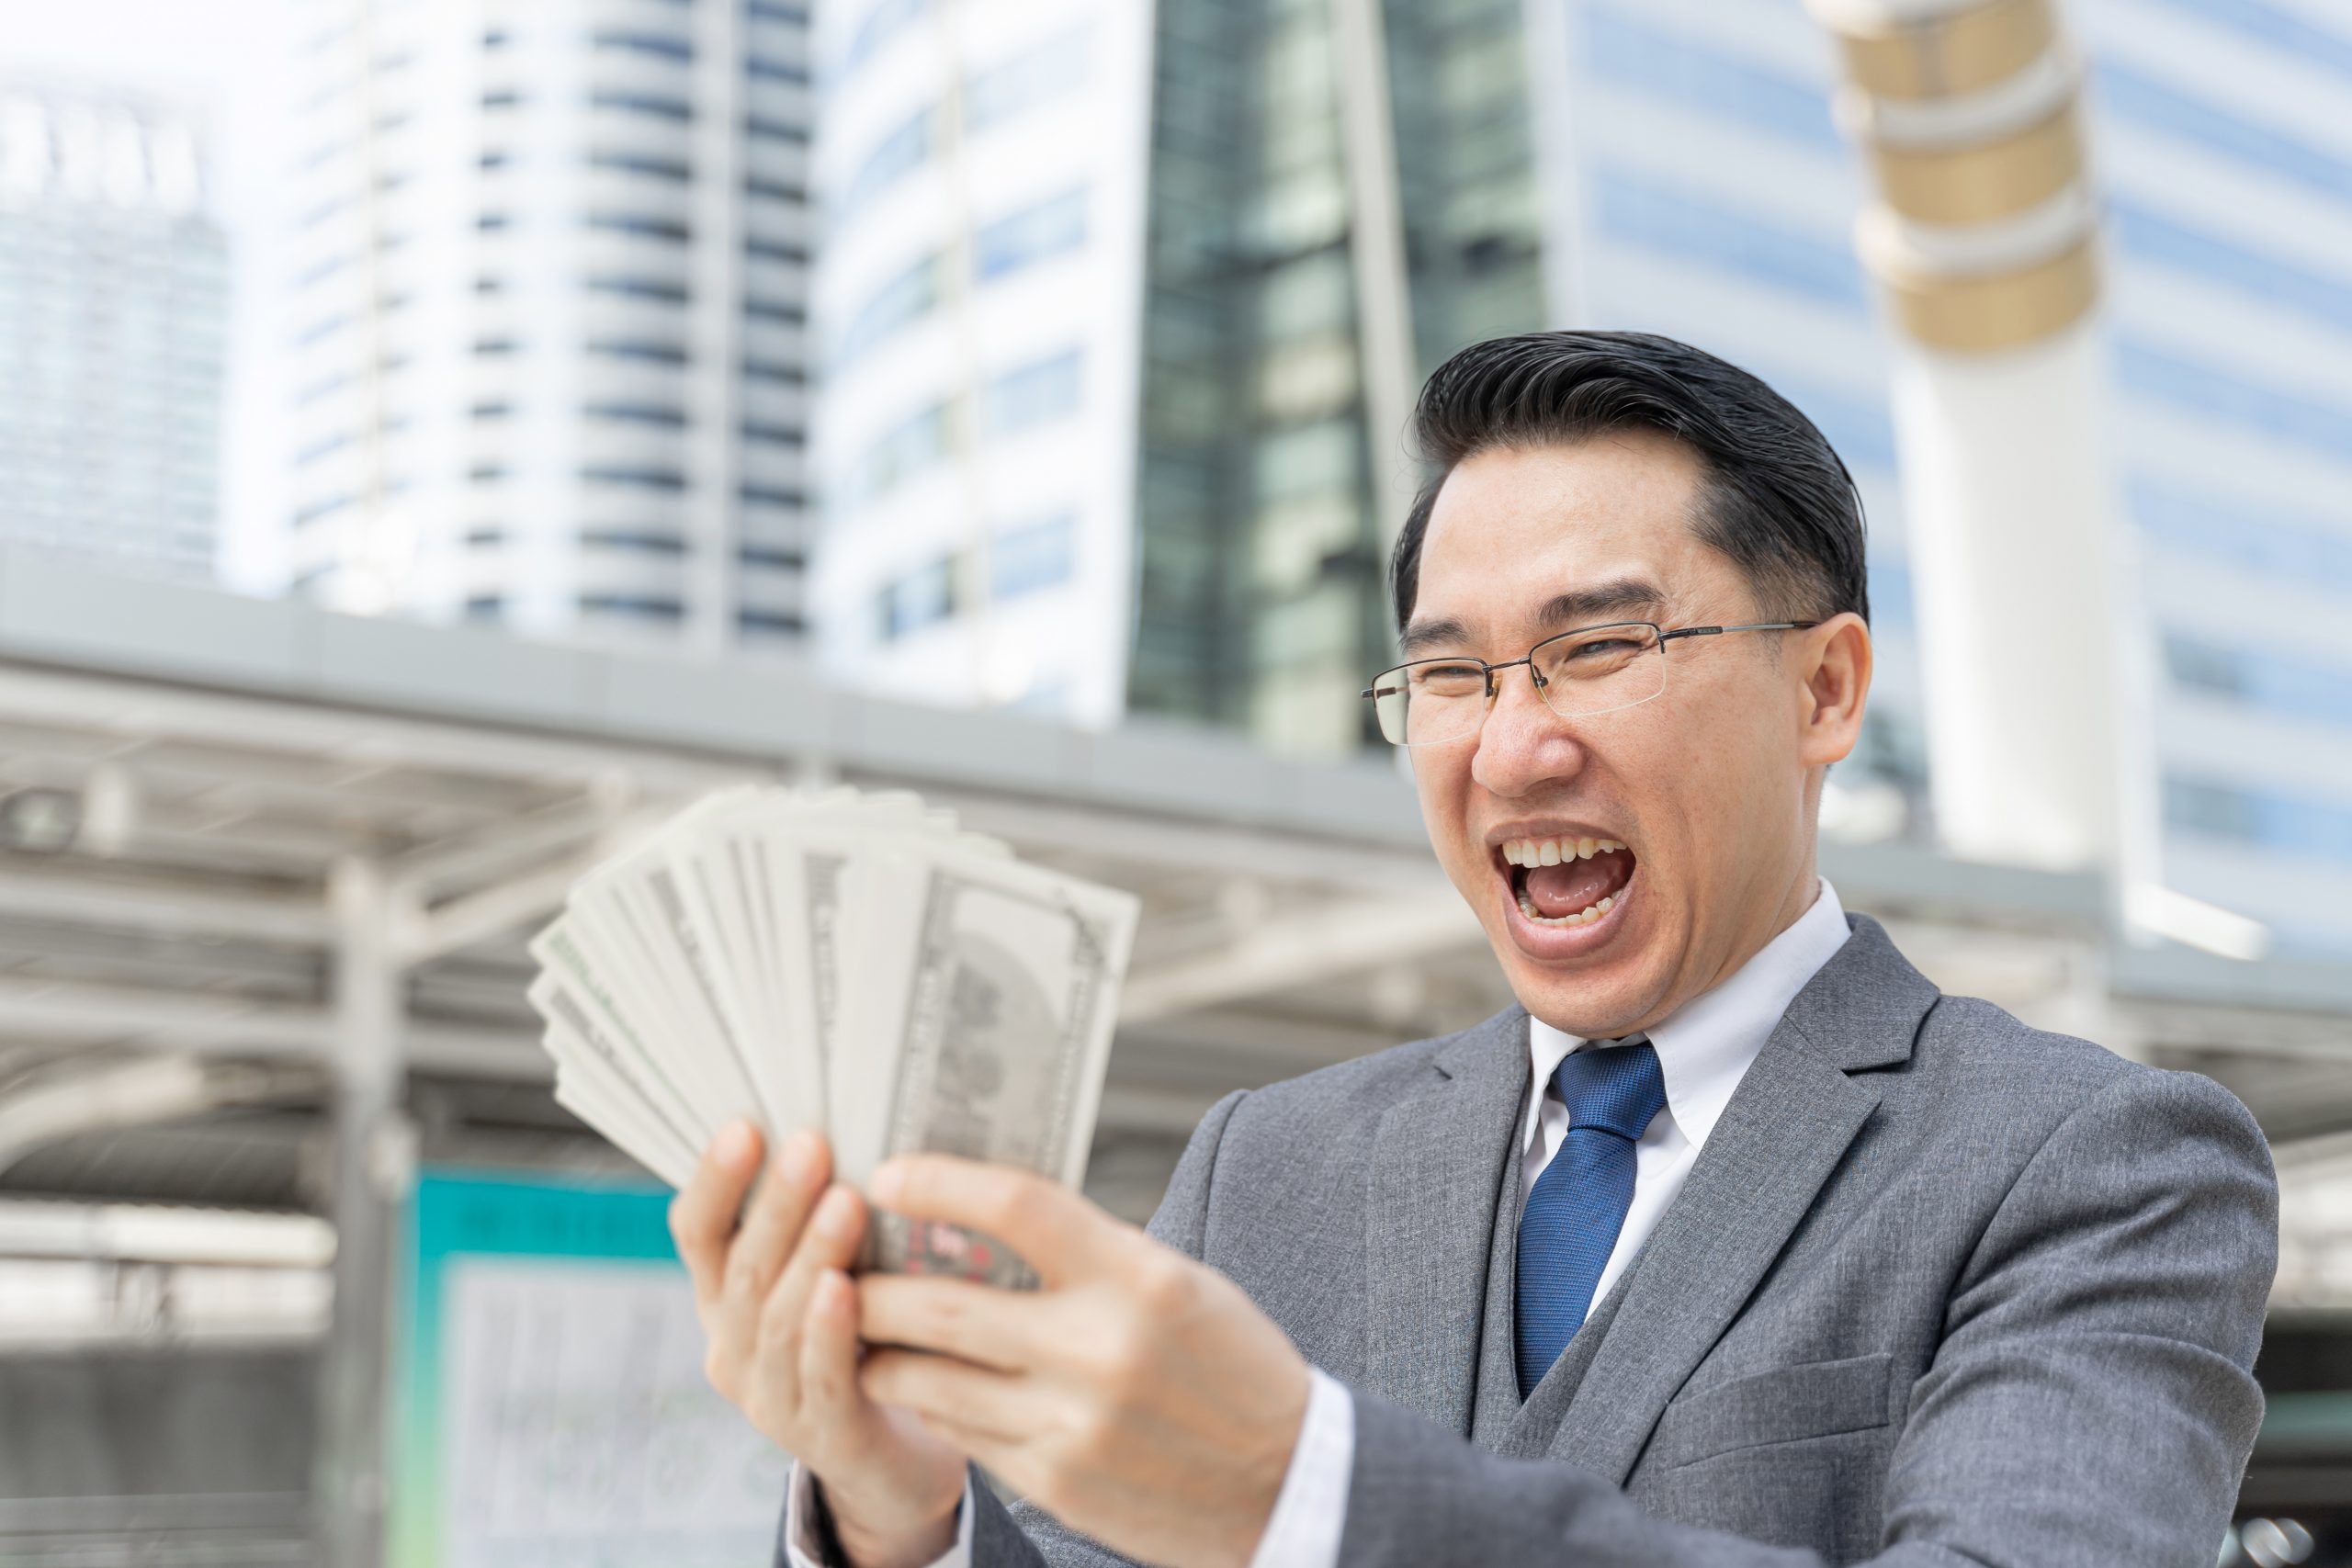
829, 1350
976, 1403
770, 1232
1058, 1233
999, 1329
702, 1216
829, 1244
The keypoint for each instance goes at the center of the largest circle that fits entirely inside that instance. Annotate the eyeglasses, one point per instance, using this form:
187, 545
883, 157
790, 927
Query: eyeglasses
1595, 670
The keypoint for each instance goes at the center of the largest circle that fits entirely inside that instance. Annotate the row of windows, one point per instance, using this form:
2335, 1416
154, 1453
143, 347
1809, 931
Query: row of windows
990, 97
2308, 550
2289, 32
651, 542
2263, 278
638, 606
1009, 404
2290, 824
1019, 240
1020, 561
660, 481
2217, 395
2294, 687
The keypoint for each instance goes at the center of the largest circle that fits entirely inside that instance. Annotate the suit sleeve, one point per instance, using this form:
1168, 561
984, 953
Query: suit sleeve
1022, 1537
2092, 1403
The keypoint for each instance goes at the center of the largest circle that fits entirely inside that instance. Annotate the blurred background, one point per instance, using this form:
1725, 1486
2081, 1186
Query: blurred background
440, 438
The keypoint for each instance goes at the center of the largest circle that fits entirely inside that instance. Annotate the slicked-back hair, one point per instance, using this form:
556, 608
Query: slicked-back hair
1774, 498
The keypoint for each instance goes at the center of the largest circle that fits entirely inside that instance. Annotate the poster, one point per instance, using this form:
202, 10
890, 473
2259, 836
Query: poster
552, 1409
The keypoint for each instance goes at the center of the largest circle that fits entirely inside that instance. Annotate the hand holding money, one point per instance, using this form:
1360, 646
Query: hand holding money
844, 963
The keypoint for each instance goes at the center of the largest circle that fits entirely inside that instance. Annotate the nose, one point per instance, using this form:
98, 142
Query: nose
1524, 744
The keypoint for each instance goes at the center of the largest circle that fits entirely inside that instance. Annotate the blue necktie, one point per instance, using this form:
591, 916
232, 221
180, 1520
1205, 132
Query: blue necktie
1578, 1204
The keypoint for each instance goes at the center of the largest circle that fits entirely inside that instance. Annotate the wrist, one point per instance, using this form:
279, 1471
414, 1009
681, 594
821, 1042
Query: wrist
899, 1545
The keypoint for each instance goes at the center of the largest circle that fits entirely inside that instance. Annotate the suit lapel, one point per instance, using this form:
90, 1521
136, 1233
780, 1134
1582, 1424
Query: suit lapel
1778, 1140
1438, 1161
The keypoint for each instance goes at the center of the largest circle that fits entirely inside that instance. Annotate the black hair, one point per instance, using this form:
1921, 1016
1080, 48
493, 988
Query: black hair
1775, 498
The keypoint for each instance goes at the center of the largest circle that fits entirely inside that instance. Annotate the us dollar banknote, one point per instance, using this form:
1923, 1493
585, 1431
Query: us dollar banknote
992, 1035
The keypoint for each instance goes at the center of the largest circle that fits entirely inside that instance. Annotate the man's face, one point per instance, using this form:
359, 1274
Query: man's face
1706, 786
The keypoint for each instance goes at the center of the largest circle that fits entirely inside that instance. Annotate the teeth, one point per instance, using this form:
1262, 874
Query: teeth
1583, 917
1554, 851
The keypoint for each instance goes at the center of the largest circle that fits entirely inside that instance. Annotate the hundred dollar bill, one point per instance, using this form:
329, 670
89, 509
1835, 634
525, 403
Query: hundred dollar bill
979, 1026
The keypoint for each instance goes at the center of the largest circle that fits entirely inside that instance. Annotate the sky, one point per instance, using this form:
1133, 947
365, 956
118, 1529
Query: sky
229, 61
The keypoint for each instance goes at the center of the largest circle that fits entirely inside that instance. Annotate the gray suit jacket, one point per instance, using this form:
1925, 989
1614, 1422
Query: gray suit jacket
1941, 1290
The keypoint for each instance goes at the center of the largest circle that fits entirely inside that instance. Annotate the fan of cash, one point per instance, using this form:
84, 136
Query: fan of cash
847, 960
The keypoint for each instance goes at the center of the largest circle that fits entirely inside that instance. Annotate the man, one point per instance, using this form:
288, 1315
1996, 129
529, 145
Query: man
1736, 1243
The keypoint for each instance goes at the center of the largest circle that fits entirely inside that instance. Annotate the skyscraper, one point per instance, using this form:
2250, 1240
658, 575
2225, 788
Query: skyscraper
549, 357
113, 303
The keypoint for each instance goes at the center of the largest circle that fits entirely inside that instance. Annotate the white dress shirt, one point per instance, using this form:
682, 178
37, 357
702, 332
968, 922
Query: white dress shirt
1703, 1051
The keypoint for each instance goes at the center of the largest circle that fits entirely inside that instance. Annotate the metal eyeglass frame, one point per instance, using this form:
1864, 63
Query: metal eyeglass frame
1528, 659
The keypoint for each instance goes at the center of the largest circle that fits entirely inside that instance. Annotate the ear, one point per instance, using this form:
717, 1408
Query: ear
1834, 661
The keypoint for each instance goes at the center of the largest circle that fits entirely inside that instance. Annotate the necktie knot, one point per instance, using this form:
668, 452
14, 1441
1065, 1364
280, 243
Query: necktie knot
1613, 1088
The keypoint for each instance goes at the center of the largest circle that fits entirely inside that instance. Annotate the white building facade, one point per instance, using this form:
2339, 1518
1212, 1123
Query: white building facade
113, 287
549, 316
978, 295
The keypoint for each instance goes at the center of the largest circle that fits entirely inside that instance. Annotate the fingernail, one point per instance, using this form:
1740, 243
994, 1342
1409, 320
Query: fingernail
799, 1159
736, 1142
888, 1183
833, 1216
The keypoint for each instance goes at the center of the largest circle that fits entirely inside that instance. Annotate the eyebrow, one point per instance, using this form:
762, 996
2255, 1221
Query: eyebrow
1620, 598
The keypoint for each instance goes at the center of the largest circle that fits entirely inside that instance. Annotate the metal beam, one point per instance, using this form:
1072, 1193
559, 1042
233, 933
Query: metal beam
1300, 950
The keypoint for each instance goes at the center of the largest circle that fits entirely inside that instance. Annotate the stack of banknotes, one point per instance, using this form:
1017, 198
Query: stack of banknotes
852, 962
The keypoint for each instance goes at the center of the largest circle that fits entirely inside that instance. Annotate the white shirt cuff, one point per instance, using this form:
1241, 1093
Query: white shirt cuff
1312, 1510
800, 1516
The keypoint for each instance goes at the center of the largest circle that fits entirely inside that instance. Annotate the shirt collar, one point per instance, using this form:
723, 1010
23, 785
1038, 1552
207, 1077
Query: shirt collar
1706, 1047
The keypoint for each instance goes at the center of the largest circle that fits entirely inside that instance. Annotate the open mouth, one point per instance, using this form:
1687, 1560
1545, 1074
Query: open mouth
1566, 882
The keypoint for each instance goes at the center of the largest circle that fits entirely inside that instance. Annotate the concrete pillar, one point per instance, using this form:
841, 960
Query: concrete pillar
371, 1169
1983, 238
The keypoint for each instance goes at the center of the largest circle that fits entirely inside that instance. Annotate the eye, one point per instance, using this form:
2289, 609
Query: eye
1448, 680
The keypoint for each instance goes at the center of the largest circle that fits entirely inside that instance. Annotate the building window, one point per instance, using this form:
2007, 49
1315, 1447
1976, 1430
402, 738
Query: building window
485, 607
898, 301
643, 351
495, 346
776, 11
922, 598
486, 473
772, 621
776, 311
675, 170
760, 69
640, 288
485, 537
665, 480
663, 416
490, 222
784, 375
767, 495
1033, 395
673, 231
494, 160
633, 604
1041, 73
774, 435
776, 250
652, 104
883, 19
501, 98
771, 558
1036, 556
900, 152
1031, 235
493, 410
318, 331
760, 128
904, 451
653, 45
775, 190
652, 542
